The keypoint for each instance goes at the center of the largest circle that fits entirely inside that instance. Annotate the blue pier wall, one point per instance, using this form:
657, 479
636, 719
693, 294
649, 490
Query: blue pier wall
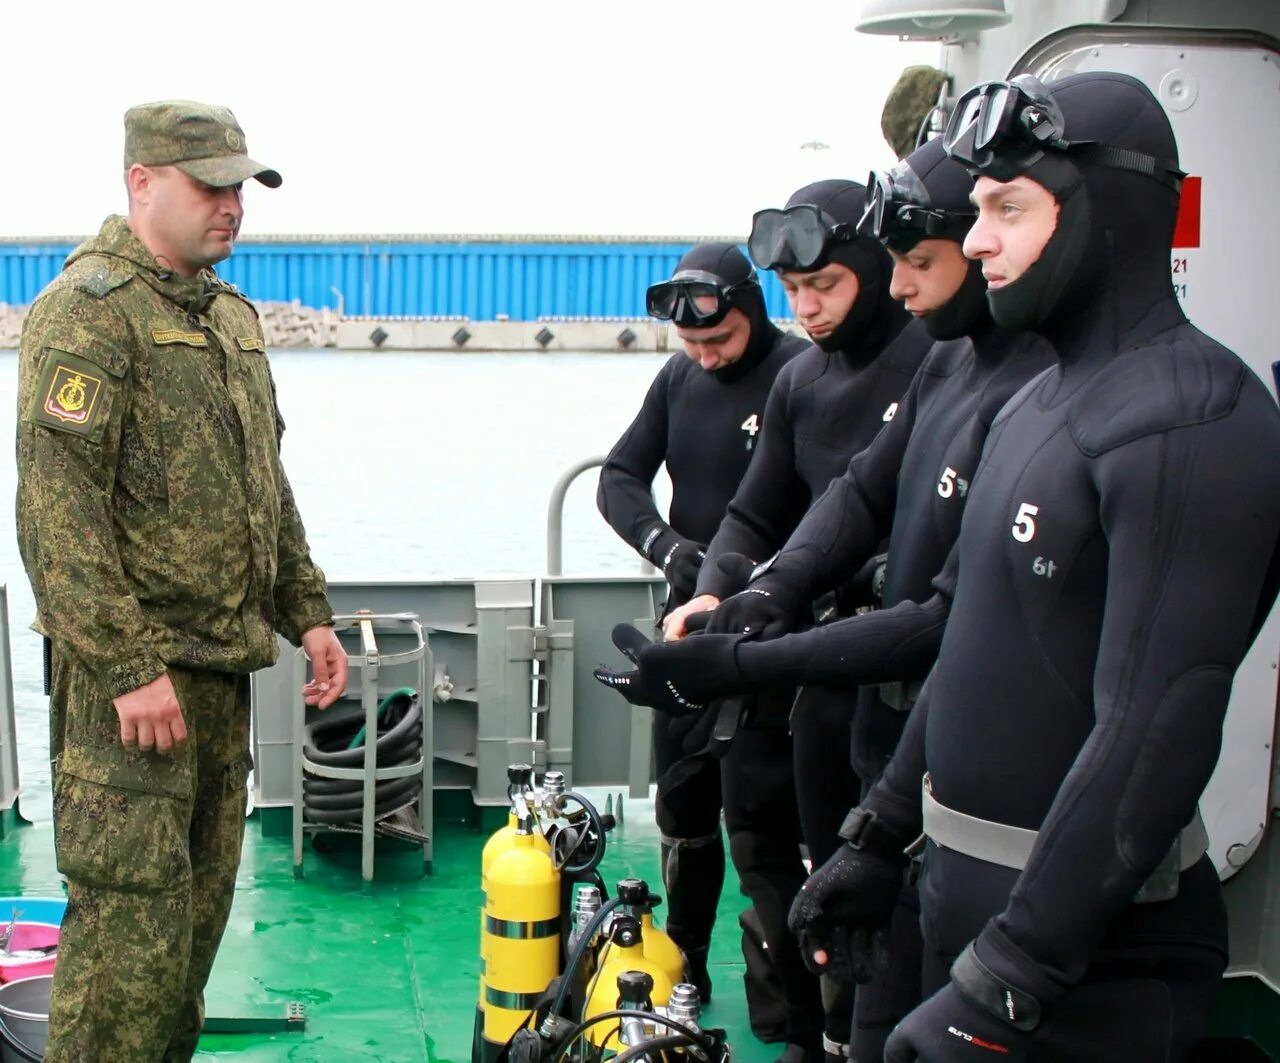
483, 280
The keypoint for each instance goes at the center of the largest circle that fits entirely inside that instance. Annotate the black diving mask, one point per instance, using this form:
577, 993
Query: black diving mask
900, 213
1000, 129
794, 238
694, 298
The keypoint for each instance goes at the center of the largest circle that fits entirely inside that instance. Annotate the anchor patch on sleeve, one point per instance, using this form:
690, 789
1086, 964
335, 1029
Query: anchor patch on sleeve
72, 397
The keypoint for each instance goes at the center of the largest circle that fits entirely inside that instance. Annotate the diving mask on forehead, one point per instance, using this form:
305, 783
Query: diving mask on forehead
900, 212
1000, 129
794, 238
693, 298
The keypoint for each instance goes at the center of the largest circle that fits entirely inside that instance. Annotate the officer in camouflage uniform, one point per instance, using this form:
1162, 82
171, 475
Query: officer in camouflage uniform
165, 551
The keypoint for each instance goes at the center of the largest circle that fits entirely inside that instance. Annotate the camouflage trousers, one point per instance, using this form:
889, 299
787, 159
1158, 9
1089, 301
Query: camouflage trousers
150, 846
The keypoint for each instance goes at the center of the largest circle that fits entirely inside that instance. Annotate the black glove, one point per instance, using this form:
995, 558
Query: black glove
679, 560
766, 607
675, 677
845, 903
737, 570
976, 1016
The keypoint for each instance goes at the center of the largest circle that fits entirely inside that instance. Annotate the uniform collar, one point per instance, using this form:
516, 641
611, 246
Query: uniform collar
116, 240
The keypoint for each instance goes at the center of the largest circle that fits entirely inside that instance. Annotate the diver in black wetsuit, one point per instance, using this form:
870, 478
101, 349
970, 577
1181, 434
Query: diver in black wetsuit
1119, 552
701, 416
912, 479
828, 403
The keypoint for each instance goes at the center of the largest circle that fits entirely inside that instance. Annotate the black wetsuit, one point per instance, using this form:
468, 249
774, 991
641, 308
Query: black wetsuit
913, 480
1085, 671
826, 406
704, 426
1119, 551
910, 483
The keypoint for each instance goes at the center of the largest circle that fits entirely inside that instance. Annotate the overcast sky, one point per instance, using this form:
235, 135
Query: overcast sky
607, 117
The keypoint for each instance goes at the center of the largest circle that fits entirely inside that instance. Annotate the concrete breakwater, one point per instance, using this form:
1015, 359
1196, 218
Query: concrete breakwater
11, 318
294, 325
283, 325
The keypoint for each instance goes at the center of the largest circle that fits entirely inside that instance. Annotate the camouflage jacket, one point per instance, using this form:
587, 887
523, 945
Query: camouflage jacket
155, 520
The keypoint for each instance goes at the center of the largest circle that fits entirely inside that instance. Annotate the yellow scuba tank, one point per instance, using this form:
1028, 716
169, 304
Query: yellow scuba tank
625, 952
520, 782
659, 948
520, 940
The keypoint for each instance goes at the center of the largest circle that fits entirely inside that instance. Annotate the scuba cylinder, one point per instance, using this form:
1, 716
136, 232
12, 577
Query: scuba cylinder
519, 784
520, 940
624, 952
659, 948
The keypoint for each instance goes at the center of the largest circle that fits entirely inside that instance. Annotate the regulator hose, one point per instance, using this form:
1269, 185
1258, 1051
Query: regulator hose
584, 942
578, 852
338, 741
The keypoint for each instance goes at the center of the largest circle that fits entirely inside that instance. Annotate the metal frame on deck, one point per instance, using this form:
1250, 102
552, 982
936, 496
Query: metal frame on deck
369, 663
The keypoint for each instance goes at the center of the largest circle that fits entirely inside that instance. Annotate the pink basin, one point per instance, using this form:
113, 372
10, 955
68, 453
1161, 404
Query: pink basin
29, 938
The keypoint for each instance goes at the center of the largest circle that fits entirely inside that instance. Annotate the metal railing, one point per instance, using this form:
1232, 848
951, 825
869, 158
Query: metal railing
555, 516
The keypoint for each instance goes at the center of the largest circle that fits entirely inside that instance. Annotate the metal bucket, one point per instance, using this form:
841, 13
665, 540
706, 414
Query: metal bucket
24, 1019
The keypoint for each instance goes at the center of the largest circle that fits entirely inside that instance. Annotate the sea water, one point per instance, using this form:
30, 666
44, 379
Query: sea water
405, 465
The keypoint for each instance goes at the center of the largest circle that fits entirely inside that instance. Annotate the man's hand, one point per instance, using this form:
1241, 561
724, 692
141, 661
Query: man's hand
151, 718
674, 627
328, 667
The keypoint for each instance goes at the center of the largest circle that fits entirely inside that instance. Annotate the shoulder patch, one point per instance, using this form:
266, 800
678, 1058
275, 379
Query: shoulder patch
101, 279
251, 343
71, 394
1155, 390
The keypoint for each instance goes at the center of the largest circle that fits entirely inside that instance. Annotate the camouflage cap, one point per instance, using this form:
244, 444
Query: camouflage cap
909, 102
198, 138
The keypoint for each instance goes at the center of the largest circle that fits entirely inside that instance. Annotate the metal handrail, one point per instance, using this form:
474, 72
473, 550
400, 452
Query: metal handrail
555, 512
555, 517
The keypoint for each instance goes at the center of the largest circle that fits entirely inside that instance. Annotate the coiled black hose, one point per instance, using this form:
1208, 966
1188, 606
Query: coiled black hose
338, 741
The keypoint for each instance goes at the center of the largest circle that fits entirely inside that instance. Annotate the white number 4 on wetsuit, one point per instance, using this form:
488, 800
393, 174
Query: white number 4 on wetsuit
1024, 527
751, 425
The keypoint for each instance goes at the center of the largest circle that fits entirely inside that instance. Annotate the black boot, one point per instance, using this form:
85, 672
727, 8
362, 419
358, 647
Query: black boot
695, 962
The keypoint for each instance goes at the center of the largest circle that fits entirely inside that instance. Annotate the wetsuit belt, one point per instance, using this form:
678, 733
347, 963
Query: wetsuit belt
690, 843
902, 694
999, 843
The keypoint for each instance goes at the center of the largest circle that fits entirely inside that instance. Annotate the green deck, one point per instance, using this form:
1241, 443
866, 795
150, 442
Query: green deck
389, 972
386, 973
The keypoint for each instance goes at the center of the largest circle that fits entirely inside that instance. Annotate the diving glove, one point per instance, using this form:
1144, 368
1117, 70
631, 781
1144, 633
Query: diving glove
675, 677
